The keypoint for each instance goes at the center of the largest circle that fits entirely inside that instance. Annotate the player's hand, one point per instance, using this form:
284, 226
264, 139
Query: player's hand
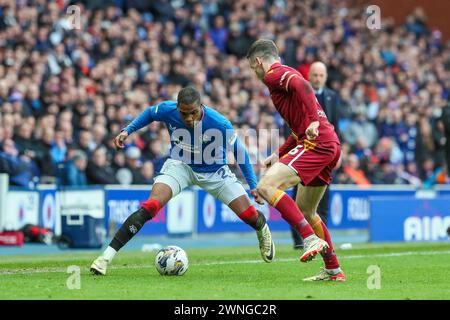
312, 132
271, 160
120, 139
257, 197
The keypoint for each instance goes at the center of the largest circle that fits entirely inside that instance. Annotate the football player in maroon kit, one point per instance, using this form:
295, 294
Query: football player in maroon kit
306, 159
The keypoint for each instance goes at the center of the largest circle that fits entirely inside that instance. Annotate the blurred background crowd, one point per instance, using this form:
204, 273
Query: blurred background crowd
65, 92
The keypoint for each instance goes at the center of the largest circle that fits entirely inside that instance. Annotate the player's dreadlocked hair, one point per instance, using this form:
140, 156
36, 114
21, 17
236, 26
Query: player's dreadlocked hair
264, 48
188, 95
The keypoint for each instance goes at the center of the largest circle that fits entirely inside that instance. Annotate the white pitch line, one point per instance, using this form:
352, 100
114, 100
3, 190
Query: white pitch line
378, 255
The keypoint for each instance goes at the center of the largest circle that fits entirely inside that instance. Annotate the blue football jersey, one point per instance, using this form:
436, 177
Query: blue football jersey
203, 147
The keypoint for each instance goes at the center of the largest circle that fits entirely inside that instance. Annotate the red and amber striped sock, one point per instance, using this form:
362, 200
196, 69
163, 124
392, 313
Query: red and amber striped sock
291, 213
321, 230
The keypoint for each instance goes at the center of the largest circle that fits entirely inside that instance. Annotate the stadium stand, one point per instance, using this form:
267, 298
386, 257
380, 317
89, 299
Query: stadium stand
65, 92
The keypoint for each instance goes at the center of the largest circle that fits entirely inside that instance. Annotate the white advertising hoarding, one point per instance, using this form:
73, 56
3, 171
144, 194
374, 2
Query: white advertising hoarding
22, 208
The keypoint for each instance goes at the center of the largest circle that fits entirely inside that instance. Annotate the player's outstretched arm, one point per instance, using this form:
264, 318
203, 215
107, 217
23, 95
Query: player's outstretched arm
145, 118
302, 88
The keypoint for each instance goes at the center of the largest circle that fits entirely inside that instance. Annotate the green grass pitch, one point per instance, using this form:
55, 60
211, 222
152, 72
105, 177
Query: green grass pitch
408, 271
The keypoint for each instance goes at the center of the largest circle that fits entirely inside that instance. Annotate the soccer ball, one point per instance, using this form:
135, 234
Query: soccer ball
171, 261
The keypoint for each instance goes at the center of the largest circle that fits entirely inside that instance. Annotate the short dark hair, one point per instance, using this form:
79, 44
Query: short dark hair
264, 48
188, 95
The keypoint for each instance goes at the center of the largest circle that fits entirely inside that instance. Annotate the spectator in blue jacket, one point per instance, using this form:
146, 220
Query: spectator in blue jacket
18, 168
74, 171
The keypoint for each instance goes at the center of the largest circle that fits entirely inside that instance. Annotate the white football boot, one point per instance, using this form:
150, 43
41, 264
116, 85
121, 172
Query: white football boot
313, 246
99, 266
326, 275
266, 244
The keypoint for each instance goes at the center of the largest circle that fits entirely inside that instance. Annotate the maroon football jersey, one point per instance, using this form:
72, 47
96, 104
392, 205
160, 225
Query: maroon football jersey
294, 99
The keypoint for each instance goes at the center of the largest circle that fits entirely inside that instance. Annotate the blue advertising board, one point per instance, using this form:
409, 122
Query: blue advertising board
214, 216
443, 190
409, 219
120, 203
350, 208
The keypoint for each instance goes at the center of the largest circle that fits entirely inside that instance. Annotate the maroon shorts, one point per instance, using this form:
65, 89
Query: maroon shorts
313, 162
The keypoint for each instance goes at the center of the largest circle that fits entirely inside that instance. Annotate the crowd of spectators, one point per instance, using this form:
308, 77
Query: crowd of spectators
68, 86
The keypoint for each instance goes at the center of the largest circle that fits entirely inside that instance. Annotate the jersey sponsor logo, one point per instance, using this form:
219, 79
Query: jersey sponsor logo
185, 146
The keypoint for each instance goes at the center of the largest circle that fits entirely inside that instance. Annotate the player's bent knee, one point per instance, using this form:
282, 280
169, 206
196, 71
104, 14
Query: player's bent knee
240, 204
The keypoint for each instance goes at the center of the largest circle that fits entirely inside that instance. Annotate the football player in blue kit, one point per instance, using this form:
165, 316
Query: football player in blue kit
200, 138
